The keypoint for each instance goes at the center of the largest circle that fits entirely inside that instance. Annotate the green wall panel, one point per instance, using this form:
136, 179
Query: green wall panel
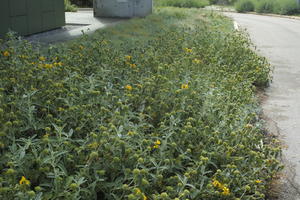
17, 7
48, 20
31, 16
34, 16
19, 24
59, 9
47, 5
4, 17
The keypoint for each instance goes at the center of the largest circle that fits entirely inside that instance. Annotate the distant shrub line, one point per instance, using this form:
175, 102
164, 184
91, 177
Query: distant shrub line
283, 7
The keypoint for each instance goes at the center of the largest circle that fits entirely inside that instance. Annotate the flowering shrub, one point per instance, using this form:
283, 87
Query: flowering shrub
149, 109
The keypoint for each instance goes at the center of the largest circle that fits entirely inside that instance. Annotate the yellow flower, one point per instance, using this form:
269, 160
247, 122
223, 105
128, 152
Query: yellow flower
144, 197
24, 181
188, 50
128, 57
225, 191
81, 47
128, 87
133, 65
157, 142
6, 53
184, 86
48, 66
197, 61
258, 181
58, 64
42, 58
217, 184
60, 109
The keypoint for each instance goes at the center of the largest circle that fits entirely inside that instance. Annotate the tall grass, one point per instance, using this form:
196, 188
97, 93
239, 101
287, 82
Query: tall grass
284, 7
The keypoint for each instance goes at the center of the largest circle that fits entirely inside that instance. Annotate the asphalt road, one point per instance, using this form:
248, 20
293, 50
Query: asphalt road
278, 39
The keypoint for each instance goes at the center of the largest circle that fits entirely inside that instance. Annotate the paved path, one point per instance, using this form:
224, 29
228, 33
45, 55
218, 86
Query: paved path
279, 40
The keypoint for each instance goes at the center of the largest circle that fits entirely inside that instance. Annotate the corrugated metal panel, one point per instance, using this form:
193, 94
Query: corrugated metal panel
47, 5
17, 7
34, 16
59, 9
19, 24
4, 17
31, 16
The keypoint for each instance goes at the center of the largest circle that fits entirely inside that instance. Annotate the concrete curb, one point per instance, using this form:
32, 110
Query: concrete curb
85, 9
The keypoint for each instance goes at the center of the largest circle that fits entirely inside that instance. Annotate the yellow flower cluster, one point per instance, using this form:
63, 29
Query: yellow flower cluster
128, 58
258, 181
225, 190
184, 86
197, 61
59, 64
6, 53
128, 87
127, 62
48, 65
156, 144
187, 50
42, 58
24, 181
132, 65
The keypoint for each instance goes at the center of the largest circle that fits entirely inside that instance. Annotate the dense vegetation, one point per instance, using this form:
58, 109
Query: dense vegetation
183, 3
69, 7
285, 7
162, 107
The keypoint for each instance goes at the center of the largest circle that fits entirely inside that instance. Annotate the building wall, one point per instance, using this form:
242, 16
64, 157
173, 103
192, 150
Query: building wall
31, 16
122, 8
